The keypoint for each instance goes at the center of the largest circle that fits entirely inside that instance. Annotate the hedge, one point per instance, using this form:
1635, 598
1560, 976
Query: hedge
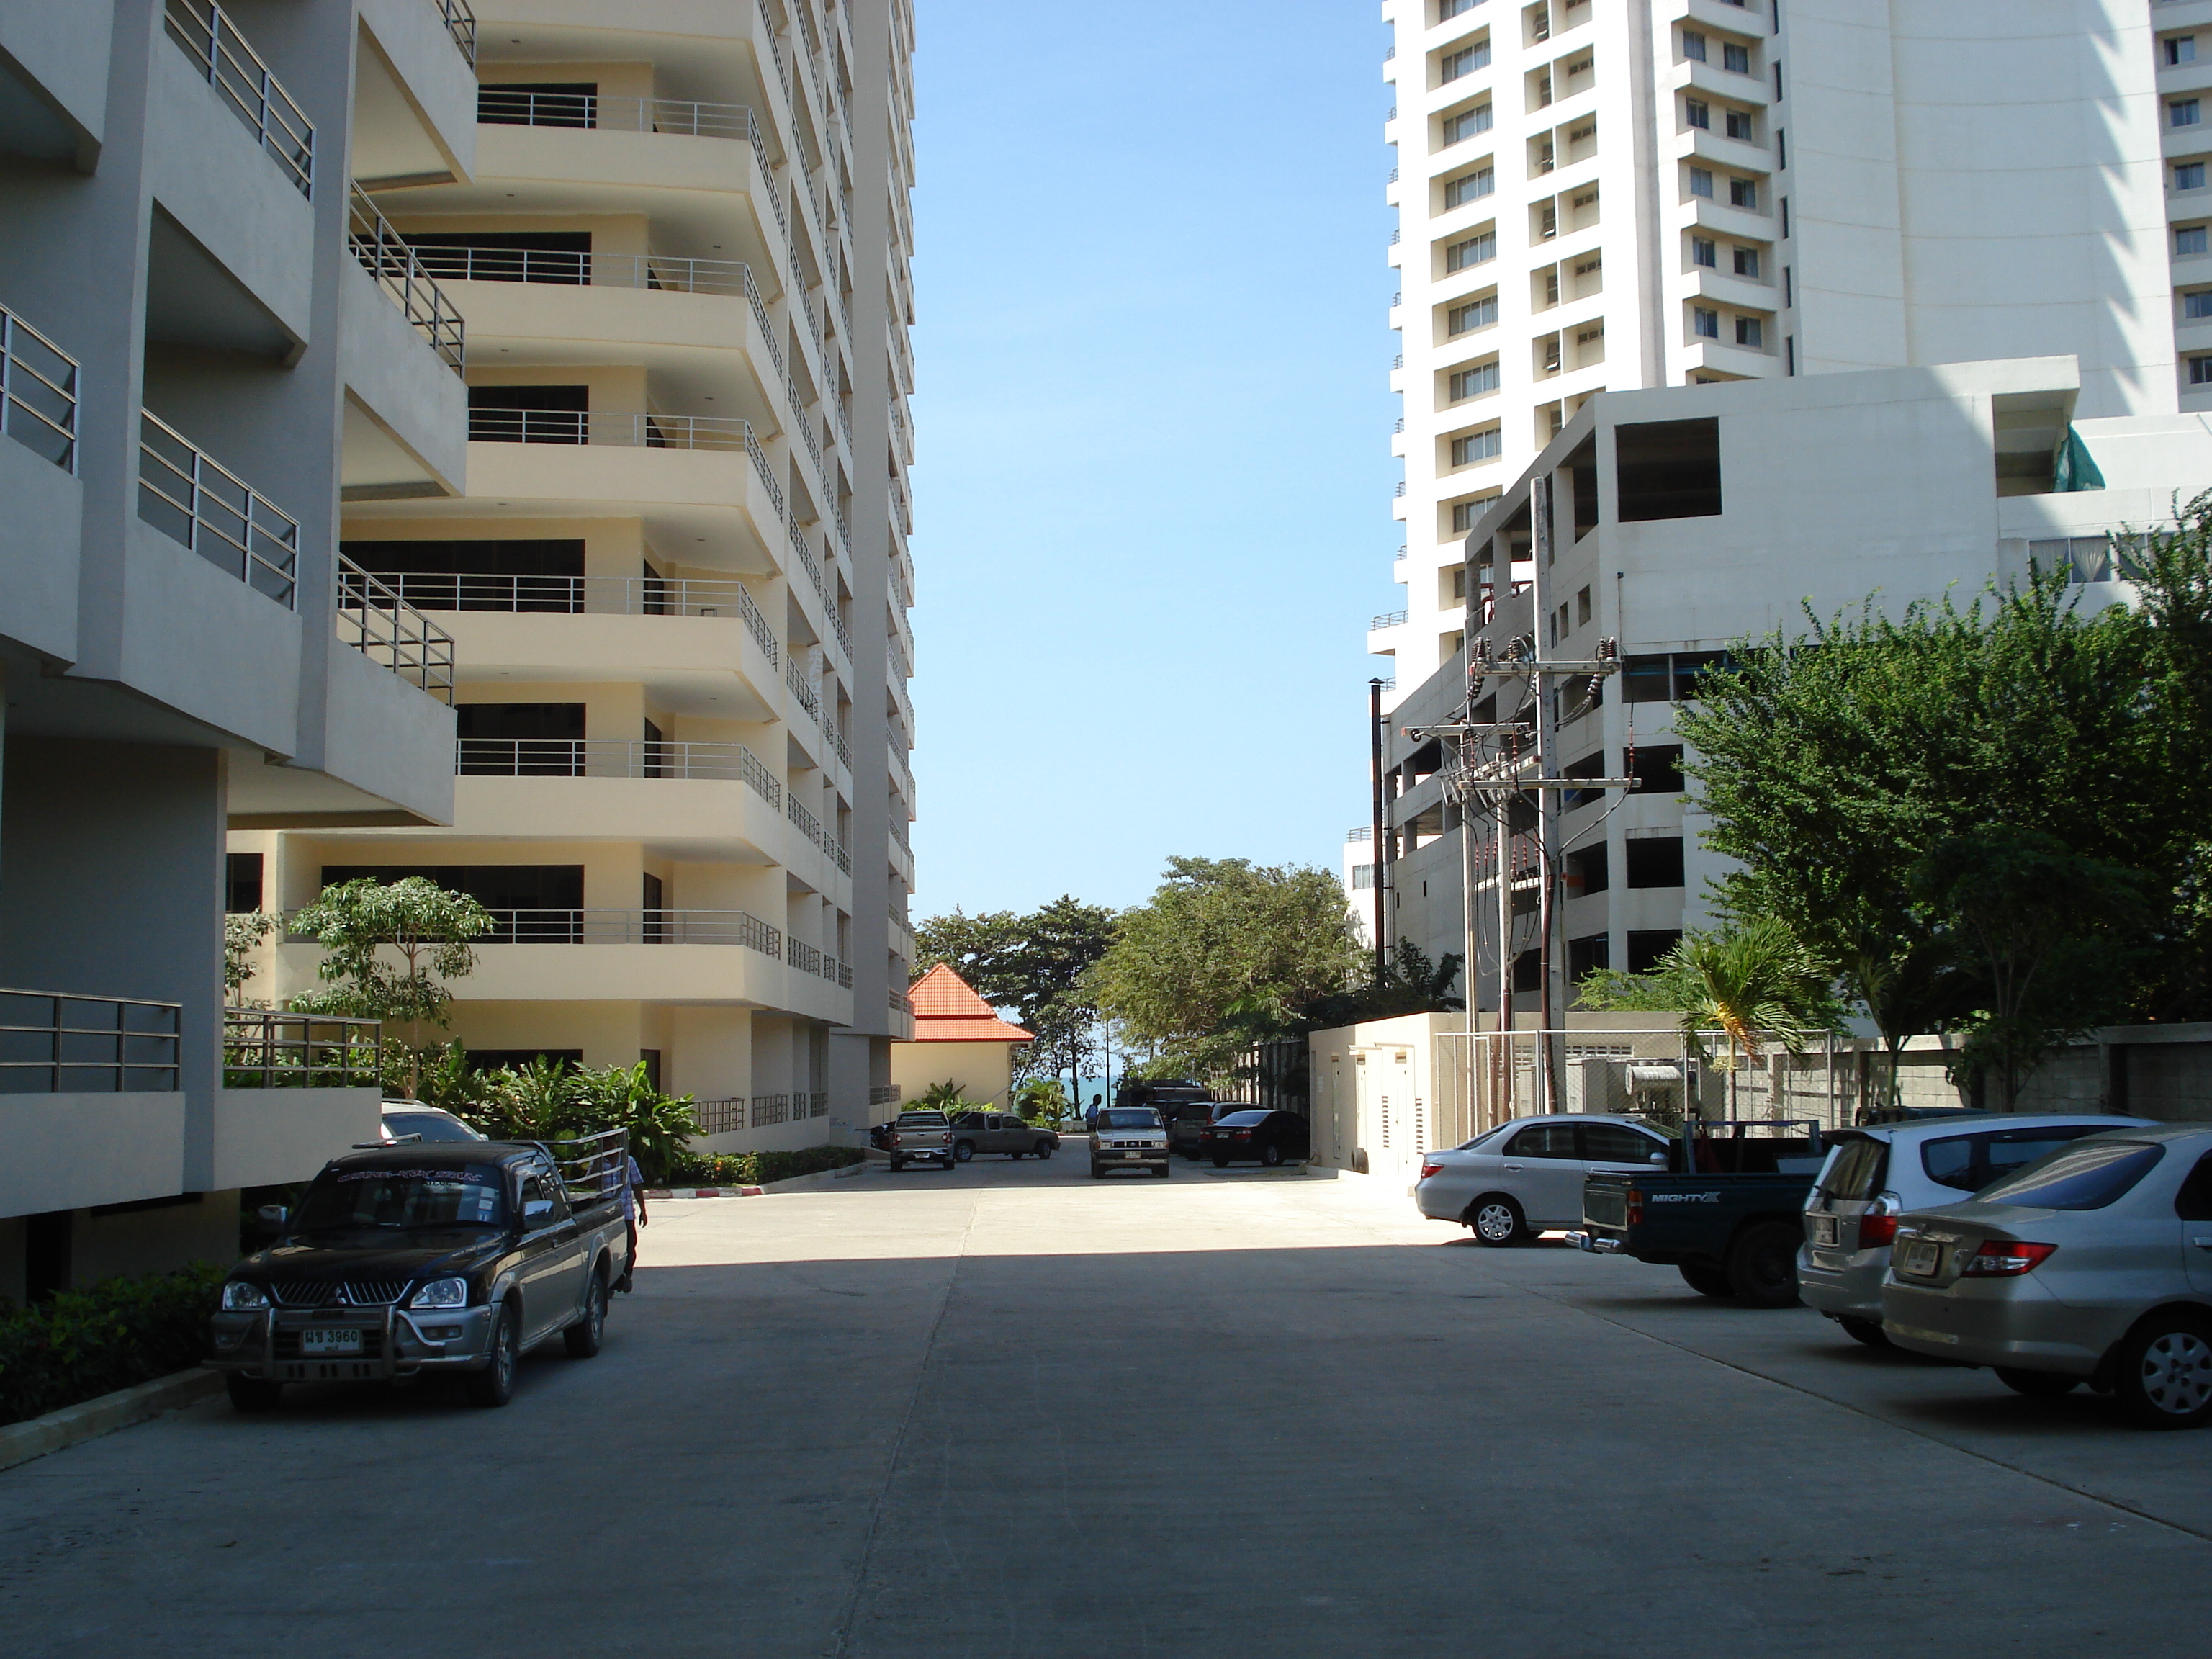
757, 1169
111, 1335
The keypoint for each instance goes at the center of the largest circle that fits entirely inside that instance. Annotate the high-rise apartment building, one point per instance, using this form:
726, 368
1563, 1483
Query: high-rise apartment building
200, 338
1617, 194
679, 580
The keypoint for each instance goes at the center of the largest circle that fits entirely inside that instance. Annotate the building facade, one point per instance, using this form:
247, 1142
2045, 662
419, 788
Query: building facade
678, 580
199, 343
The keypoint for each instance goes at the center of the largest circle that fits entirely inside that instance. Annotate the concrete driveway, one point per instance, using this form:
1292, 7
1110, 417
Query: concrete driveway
1009, 1411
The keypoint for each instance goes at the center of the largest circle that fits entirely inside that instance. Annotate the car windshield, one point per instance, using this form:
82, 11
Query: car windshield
1243, 1120
470, 1196
1128, 1117
1969, 1163
2086, 1175
1855, 1170
1484, 1139
430, 1125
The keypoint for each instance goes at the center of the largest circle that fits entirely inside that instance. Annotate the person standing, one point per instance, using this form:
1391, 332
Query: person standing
633, 1197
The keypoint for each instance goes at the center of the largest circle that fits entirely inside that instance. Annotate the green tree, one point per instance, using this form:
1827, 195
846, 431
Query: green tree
1410, 984
363, 926
241, 936
1224, 955
1041, 1100
1034, 966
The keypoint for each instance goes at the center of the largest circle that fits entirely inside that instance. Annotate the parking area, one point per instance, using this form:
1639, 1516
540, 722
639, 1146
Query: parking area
1010, 1410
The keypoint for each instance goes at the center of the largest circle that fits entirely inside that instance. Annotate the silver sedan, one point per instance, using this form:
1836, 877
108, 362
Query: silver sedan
2093, 1265
1875, 1175
1525, 1177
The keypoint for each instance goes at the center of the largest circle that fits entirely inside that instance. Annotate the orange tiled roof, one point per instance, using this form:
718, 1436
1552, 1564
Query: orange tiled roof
947, 1010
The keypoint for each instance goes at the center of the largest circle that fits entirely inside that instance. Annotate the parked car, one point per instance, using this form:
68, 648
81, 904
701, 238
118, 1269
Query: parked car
1525, 1177
1253, 1135
1727, 1212
1129, 1138
410, 1120
920, 1137
1874, 1175
1000, 1132
1188, 1121
415, 1259
2093, 1264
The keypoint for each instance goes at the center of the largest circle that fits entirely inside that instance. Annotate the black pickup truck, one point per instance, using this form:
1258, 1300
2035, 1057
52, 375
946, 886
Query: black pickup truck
1728, 1212
405, 1262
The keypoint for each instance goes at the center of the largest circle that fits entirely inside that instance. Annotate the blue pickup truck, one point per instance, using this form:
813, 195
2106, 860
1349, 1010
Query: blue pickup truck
1727, 1212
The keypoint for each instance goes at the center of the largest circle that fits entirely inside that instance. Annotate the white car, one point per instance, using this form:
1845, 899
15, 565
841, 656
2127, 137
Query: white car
1525, 1177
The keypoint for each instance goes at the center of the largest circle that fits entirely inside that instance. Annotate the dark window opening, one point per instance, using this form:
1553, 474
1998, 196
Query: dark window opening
531, 903
1582, 471
1658, 769
656, 917
1667, 469
1654, 861
656, 757
1586, 956
241, 883
1527, 971
562, 257
529, 414
1645, 949
1589, 766
1586, 871
1689, 665
478, 575
520, 739
1647, 679
651, 1057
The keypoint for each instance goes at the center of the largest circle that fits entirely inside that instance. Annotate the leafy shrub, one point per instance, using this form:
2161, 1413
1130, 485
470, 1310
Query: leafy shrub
549, 1100
110, 1335
757, 1169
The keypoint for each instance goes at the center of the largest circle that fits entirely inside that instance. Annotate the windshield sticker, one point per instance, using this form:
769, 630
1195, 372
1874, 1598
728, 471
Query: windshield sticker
471, 1176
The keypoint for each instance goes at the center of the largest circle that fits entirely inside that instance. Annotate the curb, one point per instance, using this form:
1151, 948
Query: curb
655, 1193
88, 1419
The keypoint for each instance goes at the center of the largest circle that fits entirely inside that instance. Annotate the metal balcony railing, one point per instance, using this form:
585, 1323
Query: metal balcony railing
613, 757
719, 1116
884, 1094
51, 1042
1388, 619
595, 926
844, 975
770, 1109
265, 1048
618, 596
202, 503
609, 427
809, 825
377, 622
505, 106
38, 392
667, 272
385, 256
845, 863
808, 698
234, 69
803, 956
901, 1003
461, 24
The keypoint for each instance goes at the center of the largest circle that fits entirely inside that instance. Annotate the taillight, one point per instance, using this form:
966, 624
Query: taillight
1429, 1169
2001, 1258
1635, 1207
1243, 1134
1879, 1224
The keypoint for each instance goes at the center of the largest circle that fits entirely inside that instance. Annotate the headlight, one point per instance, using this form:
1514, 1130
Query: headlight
442, 1293
238, 1297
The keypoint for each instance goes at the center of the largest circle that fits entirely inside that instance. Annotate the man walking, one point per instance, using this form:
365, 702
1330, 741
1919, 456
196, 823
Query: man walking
633, 1197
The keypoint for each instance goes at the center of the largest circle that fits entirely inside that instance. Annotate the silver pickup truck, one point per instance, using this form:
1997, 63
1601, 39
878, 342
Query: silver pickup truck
403, 1261
920, 1138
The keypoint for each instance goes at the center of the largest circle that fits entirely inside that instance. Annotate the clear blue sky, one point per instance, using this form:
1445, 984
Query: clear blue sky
1153, 492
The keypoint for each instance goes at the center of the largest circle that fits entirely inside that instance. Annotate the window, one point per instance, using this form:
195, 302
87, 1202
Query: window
1465, 61
1969, 1163
1696, 113
2083, 558
1474, 251
1473, 382
2199, 371
1616, 1143
2188, 238
1363, 877
2182, 113
1735, 57
1788, 292
241, 883
2086, 1175
1447, 10
1738, 125
1667, 469
1781, 148
2198, 304
1654, 861
2181, 49
1475, 313
1785, 218
1647, 947
1693, 46
1746, 262
1476, 446
1586, 870
1705, 325
1789, 353
1657, 769
2189, 175
1586, 956
1468, 186
1701, 182
1704, 251
1744, 193
1749, 332
1543, 1140
1464, 514
1466, 123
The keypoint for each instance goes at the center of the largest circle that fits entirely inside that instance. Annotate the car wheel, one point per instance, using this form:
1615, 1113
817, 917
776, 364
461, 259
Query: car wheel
898, 1164
1221, 1160
963, 1150
1705, 1281
253, 1394
583, 1338
1163, 1171
1870, 1331
1496, 1220
1096, 1173
1043, 1149
1271, 1157
2164, 1379
2037, 1385
1762, 1264
495, 1384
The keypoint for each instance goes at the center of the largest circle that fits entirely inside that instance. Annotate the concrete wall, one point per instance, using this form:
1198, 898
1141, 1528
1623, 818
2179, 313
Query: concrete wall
984, 1070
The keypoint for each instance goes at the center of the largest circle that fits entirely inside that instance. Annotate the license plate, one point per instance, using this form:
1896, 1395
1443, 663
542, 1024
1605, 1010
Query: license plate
1920, 1260
1824, 1229
330, 1342
1133, 1154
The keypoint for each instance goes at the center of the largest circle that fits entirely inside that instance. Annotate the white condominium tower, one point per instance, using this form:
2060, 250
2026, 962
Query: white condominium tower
678, 580
1617, 194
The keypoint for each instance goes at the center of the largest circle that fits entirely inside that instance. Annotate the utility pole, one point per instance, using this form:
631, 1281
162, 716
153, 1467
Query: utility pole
1548, 1091
1378, 870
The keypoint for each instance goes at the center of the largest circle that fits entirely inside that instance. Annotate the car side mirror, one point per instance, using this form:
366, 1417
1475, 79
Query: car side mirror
1658, 1160
275, 1214
537, 1212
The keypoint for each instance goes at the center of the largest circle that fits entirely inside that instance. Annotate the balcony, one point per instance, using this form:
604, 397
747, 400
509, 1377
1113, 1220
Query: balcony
212, 43
615, 757
52, 1042
92, 1109
572, 596
401, 274
195, 500
460, 23
38, 392
383, 627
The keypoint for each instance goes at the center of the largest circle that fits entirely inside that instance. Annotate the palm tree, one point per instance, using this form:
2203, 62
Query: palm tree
1753, 978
